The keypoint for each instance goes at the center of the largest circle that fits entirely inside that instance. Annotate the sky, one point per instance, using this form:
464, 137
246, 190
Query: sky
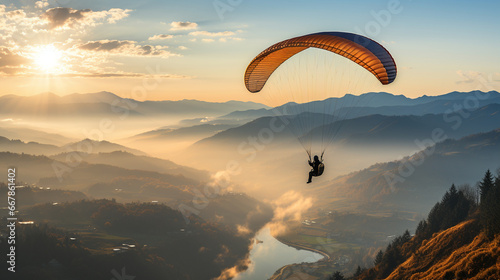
199, 49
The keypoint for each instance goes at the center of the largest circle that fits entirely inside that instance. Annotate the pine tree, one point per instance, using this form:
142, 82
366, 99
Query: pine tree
358, 272
421, 231
490, 205
337, 276
379, 257
453, 195
406, 237
486, 184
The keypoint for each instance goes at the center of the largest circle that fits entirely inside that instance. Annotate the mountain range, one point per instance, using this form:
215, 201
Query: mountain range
372, 129
108, 104
415, 182
351, 106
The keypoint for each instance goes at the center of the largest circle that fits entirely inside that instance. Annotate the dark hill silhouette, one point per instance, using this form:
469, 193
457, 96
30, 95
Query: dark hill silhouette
86, 146
47, 172
33, 135
93, 146
18, 146
31, 195
130, 161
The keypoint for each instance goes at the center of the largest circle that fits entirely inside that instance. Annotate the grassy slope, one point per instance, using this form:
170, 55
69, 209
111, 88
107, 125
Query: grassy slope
456, 253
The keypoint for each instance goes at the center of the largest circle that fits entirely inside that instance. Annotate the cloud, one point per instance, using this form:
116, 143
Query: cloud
224, 39
182, 48
59, 17
243, 230
224, 36
15, 15
230, 273
161, 37
212, 34
23, 29
485, 81
41, 4
179, 25
11, 63
126, 48
66, 18
288, 207
468, 77
116, 14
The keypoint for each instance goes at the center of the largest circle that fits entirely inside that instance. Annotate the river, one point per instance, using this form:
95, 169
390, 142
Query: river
270, 255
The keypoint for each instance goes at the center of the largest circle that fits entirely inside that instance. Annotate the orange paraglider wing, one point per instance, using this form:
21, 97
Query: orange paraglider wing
361, 50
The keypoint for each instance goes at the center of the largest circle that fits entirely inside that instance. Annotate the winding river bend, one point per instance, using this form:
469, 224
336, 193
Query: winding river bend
271, 255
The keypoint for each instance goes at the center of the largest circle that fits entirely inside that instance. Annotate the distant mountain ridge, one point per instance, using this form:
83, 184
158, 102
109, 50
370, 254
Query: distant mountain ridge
408, 128
93, 146
18, 146
378, 129
32, 135
87, 146
383, 103
107, 103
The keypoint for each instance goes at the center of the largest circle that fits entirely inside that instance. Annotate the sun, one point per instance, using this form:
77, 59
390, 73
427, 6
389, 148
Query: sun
47, 58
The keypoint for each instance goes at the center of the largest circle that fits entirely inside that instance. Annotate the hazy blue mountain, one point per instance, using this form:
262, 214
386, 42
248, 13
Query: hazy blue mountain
416, 182
351, 106
433, 107
378, 129
372, 129
384, 99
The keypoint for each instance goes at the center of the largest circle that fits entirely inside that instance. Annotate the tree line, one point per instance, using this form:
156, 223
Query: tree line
457, 205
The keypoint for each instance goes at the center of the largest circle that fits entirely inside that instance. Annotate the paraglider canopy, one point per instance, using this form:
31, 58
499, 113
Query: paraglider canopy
361, 50
311, 73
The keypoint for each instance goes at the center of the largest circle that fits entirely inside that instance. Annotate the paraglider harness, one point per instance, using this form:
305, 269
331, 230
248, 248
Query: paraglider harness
321, 166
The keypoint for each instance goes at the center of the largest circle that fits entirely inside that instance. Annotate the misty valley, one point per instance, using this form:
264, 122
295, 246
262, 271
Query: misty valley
199, 190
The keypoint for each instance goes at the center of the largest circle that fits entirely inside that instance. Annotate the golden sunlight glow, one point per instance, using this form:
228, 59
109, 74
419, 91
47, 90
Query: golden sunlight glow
47, 58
